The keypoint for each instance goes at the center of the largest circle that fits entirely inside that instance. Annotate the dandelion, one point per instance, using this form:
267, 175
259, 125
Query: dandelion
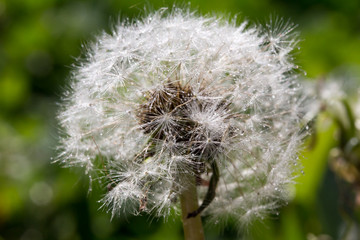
177, 108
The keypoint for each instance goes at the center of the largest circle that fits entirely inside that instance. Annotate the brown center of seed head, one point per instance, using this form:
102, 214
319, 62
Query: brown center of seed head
166, 116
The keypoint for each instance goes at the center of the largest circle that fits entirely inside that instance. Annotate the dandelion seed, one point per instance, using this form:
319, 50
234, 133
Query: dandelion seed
177, 95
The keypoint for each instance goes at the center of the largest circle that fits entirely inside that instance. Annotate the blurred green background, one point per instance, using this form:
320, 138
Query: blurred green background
39, 41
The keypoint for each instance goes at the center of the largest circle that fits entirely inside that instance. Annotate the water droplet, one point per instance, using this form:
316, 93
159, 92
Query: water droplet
302, 172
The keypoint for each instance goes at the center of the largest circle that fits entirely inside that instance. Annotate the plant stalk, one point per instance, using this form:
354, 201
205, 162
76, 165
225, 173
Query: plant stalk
193, 229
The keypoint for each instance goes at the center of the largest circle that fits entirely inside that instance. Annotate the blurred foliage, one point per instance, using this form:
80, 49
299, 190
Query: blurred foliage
39, 40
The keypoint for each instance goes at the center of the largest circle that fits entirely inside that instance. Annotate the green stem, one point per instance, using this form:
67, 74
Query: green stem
193, 229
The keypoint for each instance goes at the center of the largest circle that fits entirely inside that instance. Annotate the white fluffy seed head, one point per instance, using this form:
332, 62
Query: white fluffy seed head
172, 92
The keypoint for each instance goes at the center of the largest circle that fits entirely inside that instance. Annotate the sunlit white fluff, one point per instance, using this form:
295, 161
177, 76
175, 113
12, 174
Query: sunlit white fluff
254, 138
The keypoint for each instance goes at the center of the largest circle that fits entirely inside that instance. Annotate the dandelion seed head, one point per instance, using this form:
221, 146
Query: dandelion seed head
173, 92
